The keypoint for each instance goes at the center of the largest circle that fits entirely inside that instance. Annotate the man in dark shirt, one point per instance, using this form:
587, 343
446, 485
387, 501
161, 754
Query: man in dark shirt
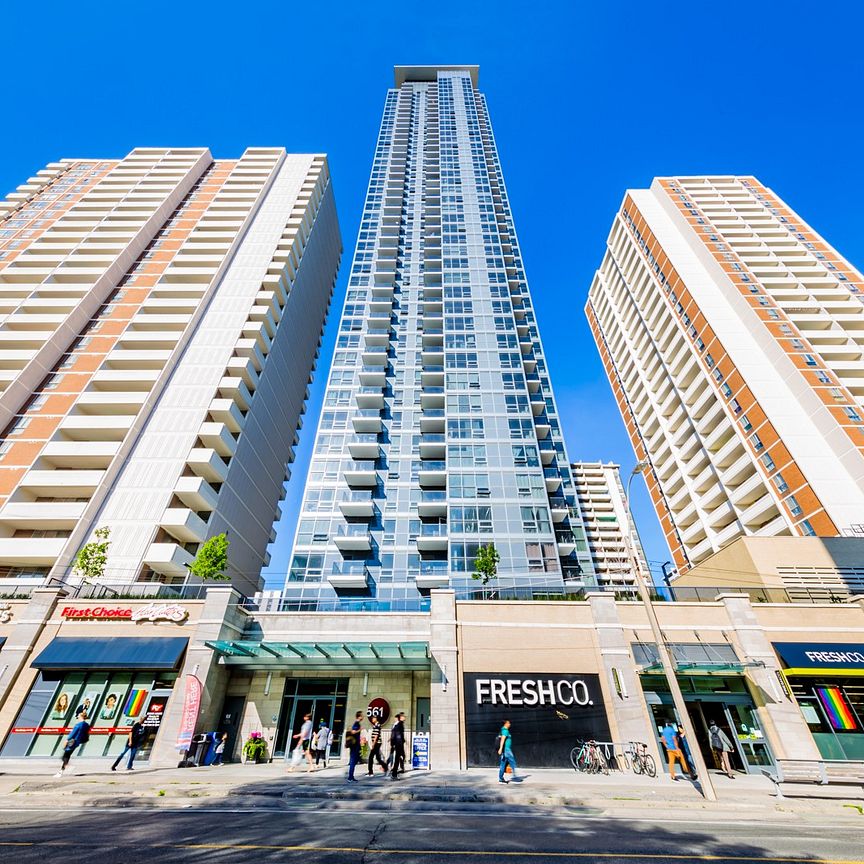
134, 740
397, 745
352, 742
79, 735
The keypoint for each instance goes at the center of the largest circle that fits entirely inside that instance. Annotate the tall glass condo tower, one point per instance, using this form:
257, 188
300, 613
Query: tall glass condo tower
439, 431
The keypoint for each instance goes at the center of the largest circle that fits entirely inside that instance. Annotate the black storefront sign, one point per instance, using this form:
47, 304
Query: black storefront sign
548, 712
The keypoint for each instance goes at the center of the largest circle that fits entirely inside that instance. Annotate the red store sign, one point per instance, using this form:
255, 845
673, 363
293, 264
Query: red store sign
101, 613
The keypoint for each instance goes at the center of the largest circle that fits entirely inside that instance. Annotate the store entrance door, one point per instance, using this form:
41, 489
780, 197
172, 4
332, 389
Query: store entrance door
323, 699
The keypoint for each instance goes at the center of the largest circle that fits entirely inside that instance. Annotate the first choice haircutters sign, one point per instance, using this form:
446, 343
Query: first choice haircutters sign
548, 713
150, 612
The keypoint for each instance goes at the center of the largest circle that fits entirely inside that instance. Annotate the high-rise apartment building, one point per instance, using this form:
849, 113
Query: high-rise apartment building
609, 527
439, 431
733, 335
160, 316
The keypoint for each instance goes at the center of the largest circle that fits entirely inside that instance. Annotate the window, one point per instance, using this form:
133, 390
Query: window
794, 506
781, 484
461, 455
466, 404
852, 414
463, 381
517, 404
756, 441
525, 454
469, 486
823, 377
744, 420
542, 557
530, 486
462, 556
768, 462
807, 528
521, 428
535, 520
465, 428
470, 520
462, 360
809, 359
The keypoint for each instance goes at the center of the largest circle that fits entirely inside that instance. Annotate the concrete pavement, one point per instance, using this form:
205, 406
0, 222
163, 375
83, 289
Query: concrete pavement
31, 784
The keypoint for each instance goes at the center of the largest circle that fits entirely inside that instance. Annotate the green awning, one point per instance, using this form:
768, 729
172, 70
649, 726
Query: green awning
324, 655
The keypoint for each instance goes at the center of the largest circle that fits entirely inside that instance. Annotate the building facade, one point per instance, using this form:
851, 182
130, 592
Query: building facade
439, 431
609, 526
783, 680
732, 335
160, 317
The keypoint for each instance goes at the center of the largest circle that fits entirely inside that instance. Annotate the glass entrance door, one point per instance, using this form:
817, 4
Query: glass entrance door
749, 736
323, 699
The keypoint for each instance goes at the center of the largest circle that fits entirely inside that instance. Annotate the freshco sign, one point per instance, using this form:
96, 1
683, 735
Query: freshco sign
100, 612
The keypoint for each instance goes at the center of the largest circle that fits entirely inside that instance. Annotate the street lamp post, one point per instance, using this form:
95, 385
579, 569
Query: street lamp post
666, 659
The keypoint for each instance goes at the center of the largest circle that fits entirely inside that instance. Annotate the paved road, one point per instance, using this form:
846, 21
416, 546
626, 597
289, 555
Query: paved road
325, 835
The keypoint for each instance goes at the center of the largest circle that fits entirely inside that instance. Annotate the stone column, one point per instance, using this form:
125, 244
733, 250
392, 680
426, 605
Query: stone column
445, 728
16, 655
628, 707
785, 728
221, 619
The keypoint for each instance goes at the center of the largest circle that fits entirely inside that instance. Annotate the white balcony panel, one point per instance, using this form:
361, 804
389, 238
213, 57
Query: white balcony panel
184, 524
168, 559
207, 463
45, 515
35, 551
196, 493
87, 427
80, 454
62, 483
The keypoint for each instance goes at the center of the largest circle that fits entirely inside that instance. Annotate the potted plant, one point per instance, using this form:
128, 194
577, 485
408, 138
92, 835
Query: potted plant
255, 748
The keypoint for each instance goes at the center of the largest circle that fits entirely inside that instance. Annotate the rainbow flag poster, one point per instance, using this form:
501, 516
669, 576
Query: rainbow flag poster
135, 703
837, 708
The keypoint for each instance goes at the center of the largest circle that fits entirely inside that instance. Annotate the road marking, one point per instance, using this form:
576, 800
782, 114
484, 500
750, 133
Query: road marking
475, 853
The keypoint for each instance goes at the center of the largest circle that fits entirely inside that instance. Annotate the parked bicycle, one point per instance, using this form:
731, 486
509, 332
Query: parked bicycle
587, 757
641, 760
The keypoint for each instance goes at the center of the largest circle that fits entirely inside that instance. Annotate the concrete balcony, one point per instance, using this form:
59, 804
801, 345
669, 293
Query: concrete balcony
207, 463
218, 437
47, 515
433, 446
433, 502
349, 575
370, 397
241, 367
168, 559
174, 323
433, 574
367, 420
62, 483
196, 493
34, 551
236, 389
123, 358
433, 537
79, 454
373, 376
361, 475
433, 473
364, 446
357, 504
125, 380
88, 427
225, 411
184, 524
98, 403
352, 538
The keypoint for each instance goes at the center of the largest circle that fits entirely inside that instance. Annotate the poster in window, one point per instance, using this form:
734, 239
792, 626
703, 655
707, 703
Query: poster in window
88, 703
110, 706
61, 707
134, 704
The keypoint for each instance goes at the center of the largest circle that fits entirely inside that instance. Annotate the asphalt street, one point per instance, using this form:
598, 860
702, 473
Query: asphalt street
326, 834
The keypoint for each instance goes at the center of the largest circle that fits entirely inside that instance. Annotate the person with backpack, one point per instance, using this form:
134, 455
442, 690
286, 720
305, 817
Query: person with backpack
722, 747
352, 742
134, 740
397, 746
505, 753
375, 748
79, 735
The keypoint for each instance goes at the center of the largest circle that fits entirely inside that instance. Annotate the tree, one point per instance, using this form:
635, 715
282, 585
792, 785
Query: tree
211, 560
486, 565
92, 557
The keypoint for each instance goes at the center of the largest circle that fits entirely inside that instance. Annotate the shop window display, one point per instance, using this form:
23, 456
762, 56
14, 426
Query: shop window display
113, 701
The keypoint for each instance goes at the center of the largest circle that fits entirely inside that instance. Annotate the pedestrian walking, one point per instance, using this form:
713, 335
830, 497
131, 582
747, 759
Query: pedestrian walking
722, 747
352, 742
323, 740
219, 752
134, 740
375, 748
79, 735
304, 743
397, 746
505, 753
674, 754
685, 749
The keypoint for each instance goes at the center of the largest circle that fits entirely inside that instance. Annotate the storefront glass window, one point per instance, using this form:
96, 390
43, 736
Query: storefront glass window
834, 712
113, 701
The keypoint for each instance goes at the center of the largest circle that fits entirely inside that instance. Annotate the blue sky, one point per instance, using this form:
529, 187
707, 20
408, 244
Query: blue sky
586, 100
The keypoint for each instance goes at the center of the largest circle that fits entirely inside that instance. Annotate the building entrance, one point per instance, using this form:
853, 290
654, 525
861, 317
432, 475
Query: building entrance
322, 698
730, 706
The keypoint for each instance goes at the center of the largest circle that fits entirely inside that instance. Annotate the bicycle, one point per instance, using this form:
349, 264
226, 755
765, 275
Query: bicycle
588, 758
641, 760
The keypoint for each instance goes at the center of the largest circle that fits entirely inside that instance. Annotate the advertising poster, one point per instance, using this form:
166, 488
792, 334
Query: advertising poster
62, 706
134, 704
548, 712
420, 751
88, 703
110, 707
155, 711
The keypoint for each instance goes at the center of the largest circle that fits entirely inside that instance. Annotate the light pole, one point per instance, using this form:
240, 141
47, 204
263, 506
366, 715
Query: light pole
666, 659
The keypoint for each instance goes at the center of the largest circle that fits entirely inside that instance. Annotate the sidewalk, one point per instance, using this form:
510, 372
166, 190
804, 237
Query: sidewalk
91, 783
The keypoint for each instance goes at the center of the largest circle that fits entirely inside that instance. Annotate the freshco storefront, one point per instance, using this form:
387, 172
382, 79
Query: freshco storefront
122, 660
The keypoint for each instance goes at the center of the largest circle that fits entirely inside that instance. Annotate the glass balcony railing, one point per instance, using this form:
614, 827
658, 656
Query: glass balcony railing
433, 497
432, 413
350, 568
359, 465
433, 438
432, 389
434, 568
356, 496
359, 531
365, 438
369, 391
368, 413
433, 465
435, 529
